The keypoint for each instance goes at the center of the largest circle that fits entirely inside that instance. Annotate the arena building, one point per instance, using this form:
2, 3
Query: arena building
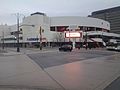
52, 31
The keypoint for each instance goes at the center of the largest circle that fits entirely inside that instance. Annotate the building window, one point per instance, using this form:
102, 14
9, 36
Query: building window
52, 28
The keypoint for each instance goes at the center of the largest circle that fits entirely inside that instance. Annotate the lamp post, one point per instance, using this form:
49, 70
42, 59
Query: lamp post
40, 38
18, 47
3, 40
14, 41
86, 40
86, 44
18, 32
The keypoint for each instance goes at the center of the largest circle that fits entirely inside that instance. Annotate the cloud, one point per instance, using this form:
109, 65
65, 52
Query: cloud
53, 7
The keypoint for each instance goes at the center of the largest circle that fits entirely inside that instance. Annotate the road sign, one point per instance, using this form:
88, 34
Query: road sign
16, 32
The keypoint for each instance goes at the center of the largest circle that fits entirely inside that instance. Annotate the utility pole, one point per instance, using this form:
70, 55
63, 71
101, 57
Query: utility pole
3, 40
18, 31
86, 43
86, 40
40, 38
18, 47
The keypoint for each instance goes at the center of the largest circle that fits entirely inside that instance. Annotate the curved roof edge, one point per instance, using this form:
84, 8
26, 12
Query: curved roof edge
78, 20
78, 17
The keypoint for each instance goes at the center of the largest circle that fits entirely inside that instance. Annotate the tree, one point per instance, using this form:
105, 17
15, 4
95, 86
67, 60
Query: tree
58, 37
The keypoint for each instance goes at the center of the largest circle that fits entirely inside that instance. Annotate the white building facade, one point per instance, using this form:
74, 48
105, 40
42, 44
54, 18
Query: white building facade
54, 28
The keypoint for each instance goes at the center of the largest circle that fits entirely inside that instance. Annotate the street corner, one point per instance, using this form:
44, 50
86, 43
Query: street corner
20, 70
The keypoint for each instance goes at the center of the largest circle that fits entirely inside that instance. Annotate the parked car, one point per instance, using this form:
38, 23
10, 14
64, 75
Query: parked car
110, 47
77, 46
113, 48
66, 48
117, 48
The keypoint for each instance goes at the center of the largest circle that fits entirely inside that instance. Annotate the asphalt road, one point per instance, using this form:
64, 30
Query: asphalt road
50, 59
115, 85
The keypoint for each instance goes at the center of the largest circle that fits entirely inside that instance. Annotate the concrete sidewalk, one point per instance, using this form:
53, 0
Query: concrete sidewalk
18, 72
13, 51
30, 50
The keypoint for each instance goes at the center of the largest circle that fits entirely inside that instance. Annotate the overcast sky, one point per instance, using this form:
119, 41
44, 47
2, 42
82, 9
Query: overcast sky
51, 7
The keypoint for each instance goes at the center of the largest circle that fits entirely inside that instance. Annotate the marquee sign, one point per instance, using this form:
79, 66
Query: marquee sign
75, 34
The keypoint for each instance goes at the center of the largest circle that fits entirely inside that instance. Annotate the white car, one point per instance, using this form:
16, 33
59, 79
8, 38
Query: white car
113, 48
110, 47
117, 48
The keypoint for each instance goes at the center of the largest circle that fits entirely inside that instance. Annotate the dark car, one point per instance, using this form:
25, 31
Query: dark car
66, 48
77, 46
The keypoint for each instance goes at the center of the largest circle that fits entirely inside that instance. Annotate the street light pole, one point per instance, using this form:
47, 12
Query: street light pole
86, 43
3, 40
18, 48
40, 38
18, 31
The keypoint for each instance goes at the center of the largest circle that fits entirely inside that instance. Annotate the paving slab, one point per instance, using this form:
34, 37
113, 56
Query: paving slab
19, 70
91, 74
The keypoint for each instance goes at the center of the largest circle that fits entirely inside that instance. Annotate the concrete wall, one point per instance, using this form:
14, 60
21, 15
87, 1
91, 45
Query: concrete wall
34, 32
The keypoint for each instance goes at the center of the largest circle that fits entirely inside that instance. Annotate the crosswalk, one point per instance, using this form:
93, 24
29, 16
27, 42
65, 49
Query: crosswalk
46, 59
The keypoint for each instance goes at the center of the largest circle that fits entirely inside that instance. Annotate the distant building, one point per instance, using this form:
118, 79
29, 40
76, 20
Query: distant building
112, 15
